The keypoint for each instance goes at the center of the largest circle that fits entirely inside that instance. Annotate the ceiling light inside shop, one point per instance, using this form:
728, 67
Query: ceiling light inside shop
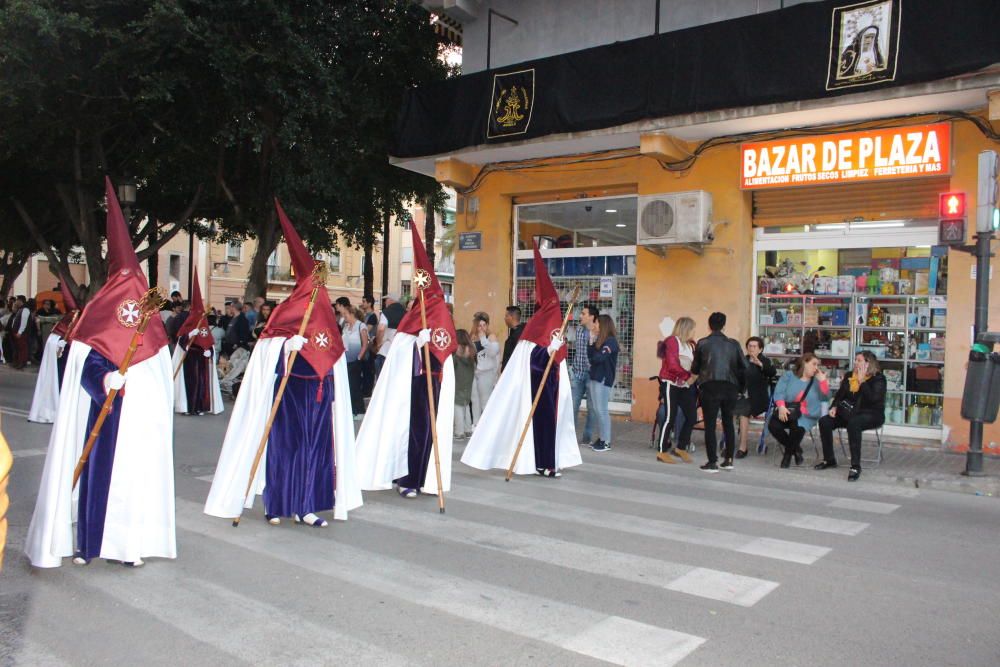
621, 225
832, 225
876, 225
610, 210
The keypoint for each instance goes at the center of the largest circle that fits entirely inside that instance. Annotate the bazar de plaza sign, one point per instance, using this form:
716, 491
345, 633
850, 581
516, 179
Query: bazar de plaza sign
870, 155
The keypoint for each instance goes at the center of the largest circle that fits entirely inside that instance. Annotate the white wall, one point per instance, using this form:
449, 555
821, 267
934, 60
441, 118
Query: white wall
550, 27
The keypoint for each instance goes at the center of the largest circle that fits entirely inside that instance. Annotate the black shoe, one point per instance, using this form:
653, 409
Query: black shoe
853, 475
799, 457
740, 454
823, 465
727, 464
786, 459
711, 466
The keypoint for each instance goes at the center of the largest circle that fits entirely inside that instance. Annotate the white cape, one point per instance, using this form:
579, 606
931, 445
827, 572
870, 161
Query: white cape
46, 399
384, 438
180, 389
493, 442
253, 405
140, 512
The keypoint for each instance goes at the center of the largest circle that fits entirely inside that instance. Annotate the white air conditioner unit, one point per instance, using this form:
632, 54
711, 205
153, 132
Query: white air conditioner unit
675, 218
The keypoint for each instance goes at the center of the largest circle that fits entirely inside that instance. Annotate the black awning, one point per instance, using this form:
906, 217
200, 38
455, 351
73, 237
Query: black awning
806, 52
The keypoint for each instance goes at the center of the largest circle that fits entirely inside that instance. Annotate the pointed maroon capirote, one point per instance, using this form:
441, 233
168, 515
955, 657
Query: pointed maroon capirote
324, 344
302, 261
548, 315
69, 307
202, 337
111, 317
443, 337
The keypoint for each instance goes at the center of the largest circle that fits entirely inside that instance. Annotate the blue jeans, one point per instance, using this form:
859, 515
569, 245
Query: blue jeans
579, 387
599, 394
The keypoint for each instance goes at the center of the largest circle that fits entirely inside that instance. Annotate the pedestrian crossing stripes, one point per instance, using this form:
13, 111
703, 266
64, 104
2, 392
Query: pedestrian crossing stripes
674, 481
698, 581
714, 508
584, 631
592, 500
795, 552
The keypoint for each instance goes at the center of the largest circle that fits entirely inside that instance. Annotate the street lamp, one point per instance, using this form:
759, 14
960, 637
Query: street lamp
127, 194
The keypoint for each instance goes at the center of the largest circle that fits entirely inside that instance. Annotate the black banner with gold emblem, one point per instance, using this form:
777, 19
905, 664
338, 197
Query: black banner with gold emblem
511, 104
809, 51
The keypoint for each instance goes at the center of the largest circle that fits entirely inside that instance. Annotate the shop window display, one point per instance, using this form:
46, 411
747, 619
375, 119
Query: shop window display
889, 301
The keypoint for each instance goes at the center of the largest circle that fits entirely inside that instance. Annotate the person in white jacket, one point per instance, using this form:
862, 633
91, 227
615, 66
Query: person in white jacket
487, 363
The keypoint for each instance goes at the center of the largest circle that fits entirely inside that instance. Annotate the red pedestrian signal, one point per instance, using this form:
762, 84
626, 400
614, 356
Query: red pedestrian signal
952, 205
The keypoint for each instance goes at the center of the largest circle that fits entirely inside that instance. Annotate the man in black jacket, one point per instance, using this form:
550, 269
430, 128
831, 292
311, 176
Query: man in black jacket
512, 318
238, 330
721, 370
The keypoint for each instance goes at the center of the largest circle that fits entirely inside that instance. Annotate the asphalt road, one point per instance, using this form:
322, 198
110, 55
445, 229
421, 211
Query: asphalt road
621, 561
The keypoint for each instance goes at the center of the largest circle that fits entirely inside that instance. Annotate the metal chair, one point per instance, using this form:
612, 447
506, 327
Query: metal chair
878, 449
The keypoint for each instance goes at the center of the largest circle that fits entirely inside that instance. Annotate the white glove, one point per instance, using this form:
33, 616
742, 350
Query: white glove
555, 344
61, 343
208, 353
114, 380
423, 337
296, 343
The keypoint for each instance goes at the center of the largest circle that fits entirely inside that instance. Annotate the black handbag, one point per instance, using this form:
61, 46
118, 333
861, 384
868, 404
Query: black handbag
845, 409
795, 407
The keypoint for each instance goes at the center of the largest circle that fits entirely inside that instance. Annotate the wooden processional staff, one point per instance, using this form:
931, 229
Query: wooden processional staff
422, 280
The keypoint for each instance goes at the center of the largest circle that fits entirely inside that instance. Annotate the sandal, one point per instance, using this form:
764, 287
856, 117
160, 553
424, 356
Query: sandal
548, 472
273, 520
406, 492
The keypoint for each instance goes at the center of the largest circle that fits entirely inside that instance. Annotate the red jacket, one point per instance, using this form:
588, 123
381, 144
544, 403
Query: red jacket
671, 369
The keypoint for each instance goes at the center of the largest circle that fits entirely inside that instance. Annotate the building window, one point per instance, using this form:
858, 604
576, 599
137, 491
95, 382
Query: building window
407, 255
273, 270
335, 260
234, 251
405, 288
175, 267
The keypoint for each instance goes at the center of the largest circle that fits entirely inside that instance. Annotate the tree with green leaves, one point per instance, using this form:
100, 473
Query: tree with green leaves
214, 107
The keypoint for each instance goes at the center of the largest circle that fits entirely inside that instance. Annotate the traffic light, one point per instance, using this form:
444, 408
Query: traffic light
951, 218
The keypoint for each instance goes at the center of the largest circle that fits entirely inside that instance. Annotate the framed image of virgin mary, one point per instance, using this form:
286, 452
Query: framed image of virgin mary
864, 43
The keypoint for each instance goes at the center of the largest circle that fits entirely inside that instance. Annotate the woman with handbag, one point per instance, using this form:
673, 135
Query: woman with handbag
798, 400
858, 406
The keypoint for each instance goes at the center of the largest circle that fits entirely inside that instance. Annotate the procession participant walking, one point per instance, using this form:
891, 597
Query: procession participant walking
549, 445
45, 401
125, 501
396, 439
291, 435
196, 382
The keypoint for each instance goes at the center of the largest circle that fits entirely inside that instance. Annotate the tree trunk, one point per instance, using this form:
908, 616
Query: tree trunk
429, 229
385, 253
267, 241
368, 268
153, 263
11, 265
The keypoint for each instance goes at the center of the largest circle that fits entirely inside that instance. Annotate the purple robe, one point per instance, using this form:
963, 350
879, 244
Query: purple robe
543, 423
197, 381
300, 459
95, 480
421, 441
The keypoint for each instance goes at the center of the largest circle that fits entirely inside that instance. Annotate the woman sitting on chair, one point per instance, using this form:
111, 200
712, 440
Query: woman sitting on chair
798, 400
858, 406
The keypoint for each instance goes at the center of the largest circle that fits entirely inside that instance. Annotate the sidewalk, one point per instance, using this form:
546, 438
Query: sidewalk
903, 465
